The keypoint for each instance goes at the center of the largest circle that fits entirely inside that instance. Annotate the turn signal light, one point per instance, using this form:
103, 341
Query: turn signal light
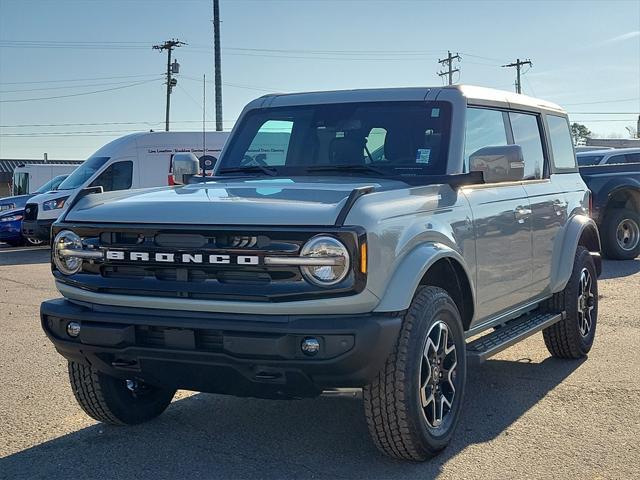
363, 258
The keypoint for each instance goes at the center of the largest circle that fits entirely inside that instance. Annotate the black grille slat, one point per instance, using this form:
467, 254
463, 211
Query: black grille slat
206, 340
31, 211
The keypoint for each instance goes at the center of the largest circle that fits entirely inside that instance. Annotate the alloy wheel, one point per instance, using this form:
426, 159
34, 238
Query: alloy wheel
438, 374
586, 302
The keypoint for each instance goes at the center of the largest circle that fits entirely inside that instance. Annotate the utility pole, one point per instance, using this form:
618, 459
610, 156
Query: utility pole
217, 79
449, 65
169, 45
518, 64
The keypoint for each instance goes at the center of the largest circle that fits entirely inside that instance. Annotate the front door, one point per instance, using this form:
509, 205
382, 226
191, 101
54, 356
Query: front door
502, 225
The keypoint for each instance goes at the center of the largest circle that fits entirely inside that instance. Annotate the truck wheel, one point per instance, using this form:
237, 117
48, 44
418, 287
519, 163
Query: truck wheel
573, 337
413, 405
116, 401
621, 234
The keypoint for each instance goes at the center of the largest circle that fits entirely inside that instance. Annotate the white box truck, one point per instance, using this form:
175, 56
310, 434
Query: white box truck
138, 160
29, 177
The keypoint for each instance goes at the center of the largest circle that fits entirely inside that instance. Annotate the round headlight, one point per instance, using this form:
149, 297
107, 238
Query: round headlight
65, 241
332, 253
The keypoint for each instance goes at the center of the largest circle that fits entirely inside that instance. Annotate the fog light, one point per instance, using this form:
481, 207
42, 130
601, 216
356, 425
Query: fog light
310, 346
73, 329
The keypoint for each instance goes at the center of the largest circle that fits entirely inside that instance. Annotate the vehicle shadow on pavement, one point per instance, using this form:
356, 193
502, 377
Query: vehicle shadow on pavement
619, 268
213, 436
24, 255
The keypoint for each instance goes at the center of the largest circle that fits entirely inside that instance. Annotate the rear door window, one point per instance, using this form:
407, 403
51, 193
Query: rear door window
526, 133
614, 159
117, 176
633, 157
587, 160
561, 143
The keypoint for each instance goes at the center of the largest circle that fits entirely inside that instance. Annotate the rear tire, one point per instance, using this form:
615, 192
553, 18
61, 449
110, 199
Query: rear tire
573, 336
621, 234
413, 405
109, 399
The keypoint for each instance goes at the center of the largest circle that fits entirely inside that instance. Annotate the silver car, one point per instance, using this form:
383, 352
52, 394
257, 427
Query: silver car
374, 239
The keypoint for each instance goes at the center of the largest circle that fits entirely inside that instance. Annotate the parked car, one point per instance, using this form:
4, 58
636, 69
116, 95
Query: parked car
615, 187
134, 161
19, 201
12, 214
307, 264
608, 157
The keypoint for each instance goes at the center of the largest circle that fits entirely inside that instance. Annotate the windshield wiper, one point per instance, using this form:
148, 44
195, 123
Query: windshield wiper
249, 169
350, 168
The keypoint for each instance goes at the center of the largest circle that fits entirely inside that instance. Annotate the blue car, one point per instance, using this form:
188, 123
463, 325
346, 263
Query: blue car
19, 201
12, 212
10, 223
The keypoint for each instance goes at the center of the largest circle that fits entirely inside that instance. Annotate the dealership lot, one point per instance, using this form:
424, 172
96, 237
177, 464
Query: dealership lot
526, 414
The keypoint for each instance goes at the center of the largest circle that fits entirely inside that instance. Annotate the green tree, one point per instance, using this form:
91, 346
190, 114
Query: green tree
580, 133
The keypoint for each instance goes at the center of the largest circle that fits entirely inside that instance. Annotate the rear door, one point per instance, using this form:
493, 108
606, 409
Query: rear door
502, 223
546, 196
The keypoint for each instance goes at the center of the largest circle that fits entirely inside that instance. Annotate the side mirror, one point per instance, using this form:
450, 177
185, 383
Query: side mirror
503, 163
183, 167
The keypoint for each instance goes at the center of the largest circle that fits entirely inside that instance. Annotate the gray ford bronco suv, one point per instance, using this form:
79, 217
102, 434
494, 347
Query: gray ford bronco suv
376, 239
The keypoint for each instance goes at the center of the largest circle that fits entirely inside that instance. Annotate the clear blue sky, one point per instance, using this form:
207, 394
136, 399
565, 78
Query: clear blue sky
583, 52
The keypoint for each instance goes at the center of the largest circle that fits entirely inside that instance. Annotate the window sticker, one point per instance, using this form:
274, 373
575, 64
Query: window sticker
435, 112
423, 156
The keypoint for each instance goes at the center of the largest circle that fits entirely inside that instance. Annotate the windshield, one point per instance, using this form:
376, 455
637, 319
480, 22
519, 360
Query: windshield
385, 139
83, 173
586, 160
51, 184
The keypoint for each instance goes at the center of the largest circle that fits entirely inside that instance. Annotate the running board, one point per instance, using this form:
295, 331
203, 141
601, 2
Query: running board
509, 334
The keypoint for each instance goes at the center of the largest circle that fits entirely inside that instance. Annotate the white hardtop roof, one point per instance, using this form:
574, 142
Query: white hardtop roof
470, 92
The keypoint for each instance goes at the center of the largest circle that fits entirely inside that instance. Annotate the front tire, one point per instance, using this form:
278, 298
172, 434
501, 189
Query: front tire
413, 405
621, 234
573, 336
115, 401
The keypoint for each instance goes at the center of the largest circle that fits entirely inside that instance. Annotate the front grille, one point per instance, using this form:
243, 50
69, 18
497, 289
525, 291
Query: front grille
31, 211
123, 272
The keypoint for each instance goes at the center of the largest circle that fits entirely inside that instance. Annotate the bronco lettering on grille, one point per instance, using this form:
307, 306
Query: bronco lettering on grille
196, 258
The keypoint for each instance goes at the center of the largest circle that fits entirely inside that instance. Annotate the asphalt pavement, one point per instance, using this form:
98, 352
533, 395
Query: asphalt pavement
526, 415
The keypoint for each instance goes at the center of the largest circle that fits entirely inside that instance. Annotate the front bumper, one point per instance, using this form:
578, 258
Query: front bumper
37, 229
244, 355
10, 231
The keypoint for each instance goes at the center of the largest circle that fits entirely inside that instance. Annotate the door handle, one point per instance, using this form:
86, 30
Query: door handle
522, 213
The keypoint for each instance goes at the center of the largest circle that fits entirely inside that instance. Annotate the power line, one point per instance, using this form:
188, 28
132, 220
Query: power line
77, 94
602, 101
66, 87
79, 79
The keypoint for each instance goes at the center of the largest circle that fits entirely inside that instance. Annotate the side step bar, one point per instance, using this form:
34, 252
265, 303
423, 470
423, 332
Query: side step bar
509, 334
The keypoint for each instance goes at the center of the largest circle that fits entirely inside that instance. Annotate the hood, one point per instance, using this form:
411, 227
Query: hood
281, 201
18, 201
50, 195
